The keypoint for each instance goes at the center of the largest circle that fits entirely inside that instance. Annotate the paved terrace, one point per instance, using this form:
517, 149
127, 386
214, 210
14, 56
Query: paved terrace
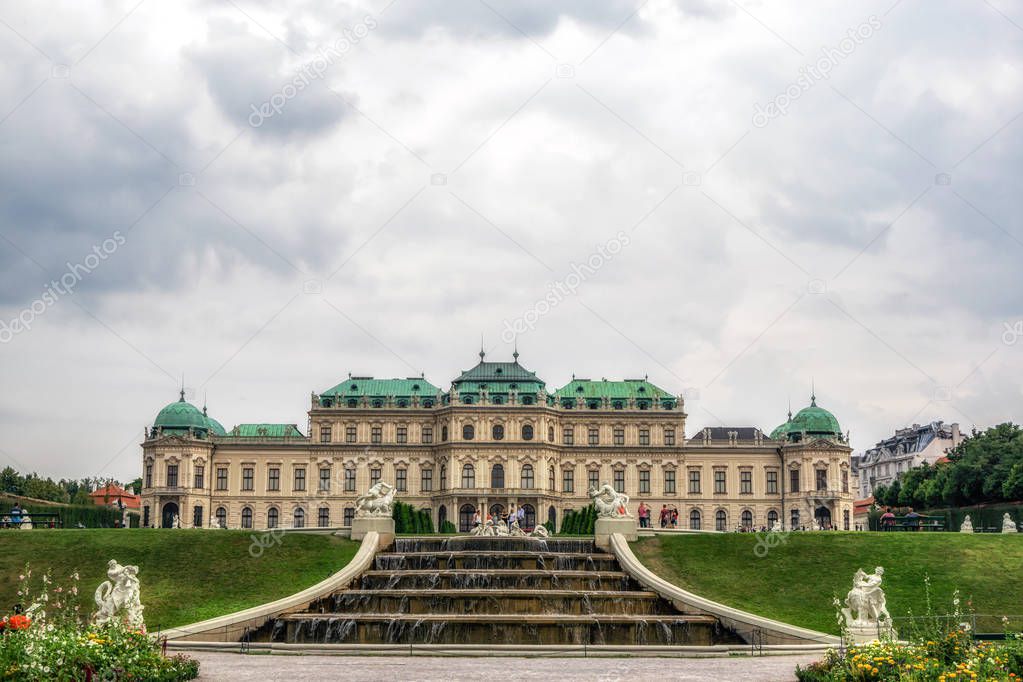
312, 668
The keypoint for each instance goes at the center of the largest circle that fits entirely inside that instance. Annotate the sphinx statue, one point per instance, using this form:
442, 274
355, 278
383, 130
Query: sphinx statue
118, 598
866, 612
377, 502
967, 526
610, 503
1008, 525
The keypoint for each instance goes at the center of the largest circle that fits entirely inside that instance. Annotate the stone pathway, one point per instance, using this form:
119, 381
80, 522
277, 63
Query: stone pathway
228, 666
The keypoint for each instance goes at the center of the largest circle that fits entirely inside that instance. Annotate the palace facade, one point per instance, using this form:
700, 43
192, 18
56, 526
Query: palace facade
496, 437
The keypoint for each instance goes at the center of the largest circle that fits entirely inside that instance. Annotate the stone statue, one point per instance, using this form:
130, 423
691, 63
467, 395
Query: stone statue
175, 521
1008, 525
609, 503
378, 501
26, 522
540, 532
118, 598
867, 601
967, 526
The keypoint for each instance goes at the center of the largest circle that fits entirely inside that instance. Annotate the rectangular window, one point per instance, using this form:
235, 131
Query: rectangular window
324, 479
200, 477
349, 515
273, 478
567, 435
669, 436
746, 482
619, 436
592, 479
822, 479
845, 482
772, 482
427, 480
644, 436
300, 479
402, 434
619, 480
669, 481
568, 481
374, 476
149, 475
350, 434
248, 475
644, 481
794, 480
845, 519
349, 480
427, 434
221, 478
172, 475
694, 482
719, 482
376, 435
323, 519
794, 520
324, 434
593, 436
401, 480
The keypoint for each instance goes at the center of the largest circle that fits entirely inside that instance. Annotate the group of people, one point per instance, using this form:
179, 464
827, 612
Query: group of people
668, 518
510, 516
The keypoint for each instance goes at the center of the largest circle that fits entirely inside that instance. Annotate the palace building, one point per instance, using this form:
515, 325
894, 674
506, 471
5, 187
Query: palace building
498, 436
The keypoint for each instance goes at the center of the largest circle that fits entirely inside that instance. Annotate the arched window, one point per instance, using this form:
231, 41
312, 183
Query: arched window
497, 476
465, 514
721, 520
443, 433
527, 432
529, 522
247, 517
527, 476
496, 511
694, 519
468, 476
551, 485
272, 517
552, 519
221, 517
299, 520
498, 432
747, 519
468, 432
550, 434
772, 519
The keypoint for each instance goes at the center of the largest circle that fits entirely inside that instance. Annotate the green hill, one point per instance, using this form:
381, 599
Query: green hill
797, 579
186, 575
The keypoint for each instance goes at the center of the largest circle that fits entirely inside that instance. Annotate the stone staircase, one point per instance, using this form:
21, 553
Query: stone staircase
495, 590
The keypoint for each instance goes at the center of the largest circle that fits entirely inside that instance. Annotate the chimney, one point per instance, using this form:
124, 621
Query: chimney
955, 433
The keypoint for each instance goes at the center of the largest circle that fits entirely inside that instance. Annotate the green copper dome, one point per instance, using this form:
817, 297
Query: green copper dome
215, 427
180, 416
809, 422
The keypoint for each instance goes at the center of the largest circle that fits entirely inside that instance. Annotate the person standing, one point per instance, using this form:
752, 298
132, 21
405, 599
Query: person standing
643, 511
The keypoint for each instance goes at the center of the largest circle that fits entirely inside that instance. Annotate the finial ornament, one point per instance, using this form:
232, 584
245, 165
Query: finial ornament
182, 398
790, 409
813, 395
483, 353
515, 350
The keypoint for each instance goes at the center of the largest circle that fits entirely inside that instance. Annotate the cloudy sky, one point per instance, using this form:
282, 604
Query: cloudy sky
734, 198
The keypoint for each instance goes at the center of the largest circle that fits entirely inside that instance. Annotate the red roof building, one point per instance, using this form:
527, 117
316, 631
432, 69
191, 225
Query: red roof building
109, 495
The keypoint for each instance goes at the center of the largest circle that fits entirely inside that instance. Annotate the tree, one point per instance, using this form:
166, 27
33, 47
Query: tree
1012, 489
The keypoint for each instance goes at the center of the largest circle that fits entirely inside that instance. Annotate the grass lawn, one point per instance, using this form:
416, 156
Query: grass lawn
797, 579
186, 575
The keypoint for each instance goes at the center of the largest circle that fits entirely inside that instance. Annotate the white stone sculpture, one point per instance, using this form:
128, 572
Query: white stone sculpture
377, 502
1008, 525
26, 522
609, 503
866, 613
540, 532
118, 598
967, 526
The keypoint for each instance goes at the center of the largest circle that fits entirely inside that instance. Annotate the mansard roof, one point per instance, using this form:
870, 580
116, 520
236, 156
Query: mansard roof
382, 388
264, 431
497, 372
625, 390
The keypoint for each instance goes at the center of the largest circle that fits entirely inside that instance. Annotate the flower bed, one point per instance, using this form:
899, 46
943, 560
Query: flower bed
50, 640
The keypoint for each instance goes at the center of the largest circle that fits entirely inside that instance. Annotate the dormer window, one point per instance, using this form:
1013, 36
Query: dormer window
641, 389
352, 402
513, 386
498, 370
402, 403
527, 400
415, 387
618, 404
579, 389
355, 387
427, 403
378, 403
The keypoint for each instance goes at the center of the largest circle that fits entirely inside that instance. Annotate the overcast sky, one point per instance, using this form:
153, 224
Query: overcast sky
734, 198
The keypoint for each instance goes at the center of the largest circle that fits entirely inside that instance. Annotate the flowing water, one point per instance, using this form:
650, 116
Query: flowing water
468, 590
